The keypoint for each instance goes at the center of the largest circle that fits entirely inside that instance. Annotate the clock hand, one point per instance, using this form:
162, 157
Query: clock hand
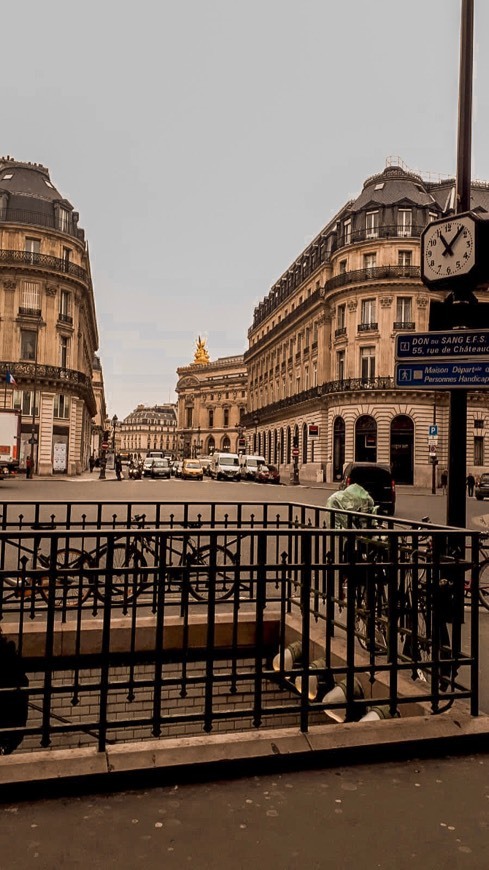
448, 248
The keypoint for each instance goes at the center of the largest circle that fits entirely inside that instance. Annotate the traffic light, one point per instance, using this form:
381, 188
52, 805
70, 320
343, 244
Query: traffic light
295, 441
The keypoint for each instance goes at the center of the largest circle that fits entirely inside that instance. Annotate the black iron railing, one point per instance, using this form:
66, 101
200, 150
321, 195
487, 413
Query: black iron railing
26, 372
373, 273
192, 620
34, 218
393, 231
43, 261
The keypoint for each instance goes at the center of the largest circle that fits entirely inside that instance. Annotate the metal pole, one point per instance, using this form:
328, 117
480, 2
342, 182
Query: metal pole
457, 436
34, 398
434, 458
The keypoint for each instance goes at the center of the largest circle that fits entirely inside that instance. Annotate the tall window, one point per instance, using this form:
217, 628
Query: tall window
31, 297
211, 418
368, 312
404, 309
65, 305
62, 406
340, 365
369, 263
33, 249
343, 267
189, 416
404, 222
226, 416
64, 352
478, 450
372, 224
405, 258
341, 316
28, 340
347, 230
367, 363
64, 220
23, 400
66, 258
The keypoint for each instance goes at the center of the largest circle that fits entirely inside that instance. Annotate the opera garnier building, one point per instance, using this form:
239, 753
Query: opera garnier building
48, 329
321, 348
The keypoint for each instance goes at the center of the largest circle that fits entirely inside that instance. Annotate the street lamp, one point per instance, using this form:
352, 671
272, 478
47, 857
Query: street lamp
114, 424
255, 422
34, 437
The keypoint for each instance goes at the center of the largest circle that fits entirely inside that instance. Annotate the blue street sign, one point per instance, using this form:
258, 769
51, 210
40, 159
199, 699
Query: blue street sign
454, 344
444, 374
433, 431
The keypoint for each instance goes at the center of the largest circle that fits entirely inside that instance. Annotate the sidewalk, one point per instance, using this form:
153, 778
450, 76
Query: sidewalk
424, 814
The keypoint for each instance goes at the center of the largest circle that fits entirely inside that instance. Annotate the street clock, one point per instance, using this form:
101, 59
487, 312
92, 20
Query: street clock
454, 253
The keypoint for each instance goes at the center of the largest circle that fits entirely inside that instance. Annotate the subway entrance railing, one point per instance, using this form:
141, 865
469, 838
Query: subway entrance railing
183, 619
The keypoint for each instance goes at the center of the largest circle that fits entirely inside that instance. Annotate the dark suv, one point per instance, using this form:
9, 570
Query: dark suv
376, 479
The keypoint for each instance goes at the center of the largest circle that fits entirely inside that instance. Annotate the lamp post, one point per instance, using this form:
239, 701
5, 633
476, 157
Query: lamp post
255, 423
114, 424
34, 437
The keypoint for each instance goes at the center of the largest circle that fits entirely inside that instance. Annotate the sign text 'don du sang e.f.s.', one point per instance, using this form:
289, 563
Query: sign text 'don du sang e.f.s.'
454, 344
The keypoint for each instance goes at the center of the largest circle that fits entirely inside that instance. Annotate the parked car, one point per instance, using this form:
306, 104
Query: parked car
267, 474
377, 479
249, 466
160, 468
482, 487
192, 470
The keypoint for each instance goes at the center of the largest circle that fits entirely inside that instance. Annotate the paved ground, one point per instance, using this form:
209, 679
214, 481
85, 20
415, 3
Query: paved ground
415, 814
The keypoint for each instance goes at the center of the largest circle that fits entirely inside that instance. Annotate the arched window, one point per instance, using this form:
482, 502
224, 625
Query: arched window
338, 448
366, 439
288, 445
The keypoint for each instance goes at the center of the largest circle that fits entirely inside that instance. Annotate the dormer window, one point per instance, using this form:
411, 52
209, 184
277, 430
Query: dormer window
372, 224
7, 177
63, 220
404, 222
347, 230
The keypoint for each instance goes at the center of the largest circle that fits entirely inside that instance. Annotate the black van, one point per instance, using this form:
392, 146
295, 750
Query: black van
376, 479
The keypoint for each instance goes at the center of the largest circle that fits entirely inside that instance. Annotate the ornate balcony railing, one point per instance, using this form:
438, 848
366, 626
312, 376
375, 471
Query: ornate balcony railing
374, 273
393, 231
340, 331
347, 385
43, 261
29, 312
368, 327
65, 318
34, 218
404, 324
25, 373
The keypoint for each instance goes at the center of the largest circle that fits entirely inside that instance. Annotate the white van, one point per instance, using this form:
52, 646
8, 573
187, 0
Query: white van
224, 466
249, 466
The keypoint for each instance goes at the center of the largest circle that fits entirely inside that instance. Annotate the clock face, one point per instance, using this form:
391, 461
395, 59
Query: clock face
449, 248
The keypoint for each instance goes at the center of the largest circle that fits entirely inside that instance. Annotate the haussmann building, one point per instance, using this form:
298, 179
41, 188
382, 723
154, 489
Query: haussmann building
48, 328
321, 352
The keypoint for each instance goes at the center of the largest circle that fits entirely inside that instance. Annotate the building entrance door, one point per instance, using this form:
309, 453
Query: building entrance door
402, 449
366, 439
338, 448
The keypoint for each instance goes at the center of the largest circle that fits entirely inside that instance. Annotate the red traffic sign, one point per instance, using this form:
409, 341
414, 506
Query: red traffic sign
295, 451
105, 445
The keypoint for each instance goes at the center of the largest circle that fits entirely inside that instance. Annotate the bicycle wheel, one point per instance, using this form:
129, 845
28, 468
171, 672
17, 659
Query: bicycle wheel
371, 627
127, 578
204, 570
73, 586
484, 584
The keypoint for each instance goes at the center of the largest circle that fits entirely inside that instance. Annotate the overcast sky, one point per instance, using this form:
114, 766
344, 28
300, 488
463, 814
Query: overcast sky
205, 142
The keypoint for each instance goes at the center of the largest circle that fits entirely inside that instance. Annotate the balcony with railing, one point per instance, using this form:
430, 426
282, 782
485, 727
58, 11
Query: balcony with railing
340, 331
373, 273
65, 318
26, 373
368, 327
39, 219
27, 259
384, 233
404, 324
26, 311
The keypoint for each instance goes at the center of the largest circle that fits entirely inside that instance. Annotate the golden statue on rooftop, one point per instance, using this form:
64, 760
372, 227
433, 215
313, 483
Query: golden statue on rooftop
201, 356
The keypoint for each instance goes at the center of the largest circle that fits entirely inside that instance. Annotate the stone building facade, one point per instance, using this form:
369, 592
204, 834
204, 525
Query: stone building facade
48, 325
321, 350
149, 428
212, 399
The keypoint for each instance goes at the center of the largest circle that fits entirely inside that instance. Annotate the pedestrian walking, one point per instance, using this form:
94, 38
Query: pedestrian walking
28, 468
470, 484
91, 463
118, 467
444, 481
